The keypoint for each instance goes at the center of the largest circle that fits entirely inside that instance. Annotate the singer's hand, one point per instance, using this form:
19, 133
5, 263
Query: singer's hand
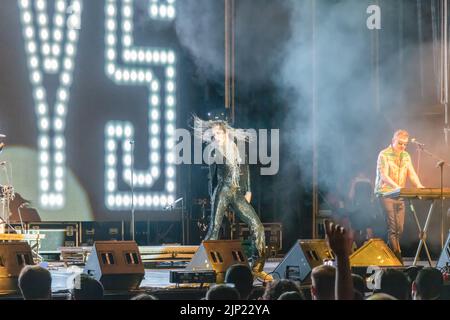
248, 197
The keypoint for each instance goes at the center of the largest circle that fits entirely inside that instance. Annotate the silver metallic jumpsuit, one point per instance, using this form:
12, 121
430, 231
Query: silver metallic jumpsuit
224, 194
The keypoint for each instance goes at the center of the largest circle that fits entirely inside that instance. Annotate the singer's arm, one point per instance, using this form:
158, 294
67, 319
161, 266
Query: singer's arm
383, 168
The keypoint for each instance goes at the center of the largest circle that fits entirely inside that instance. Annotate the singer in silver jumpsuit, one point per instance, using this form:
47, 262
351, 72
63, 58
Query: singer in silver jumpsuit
229, 186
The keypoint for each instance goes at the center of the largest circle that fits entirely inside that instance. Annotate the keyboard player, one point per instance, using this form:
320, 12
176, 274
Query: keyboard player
394, 166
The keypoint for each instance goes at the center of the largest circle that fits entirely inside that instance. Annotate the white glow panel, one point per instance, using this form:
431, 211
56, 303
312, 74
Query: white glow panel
136, 70
50, 51
162, 10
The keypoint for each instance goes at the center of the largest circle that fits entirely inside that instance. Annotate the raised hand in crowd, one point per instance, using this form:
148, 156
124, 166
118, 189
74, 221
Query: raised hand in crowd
340, 241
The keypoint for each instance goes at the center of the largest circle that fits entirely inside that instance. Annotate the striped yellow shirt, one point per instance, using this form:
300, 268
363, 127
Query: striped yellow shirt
397, 169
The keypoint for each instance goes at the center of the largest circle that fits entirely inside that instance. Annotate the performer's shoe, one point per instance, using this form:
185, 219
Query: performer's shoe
262, 276
398, 254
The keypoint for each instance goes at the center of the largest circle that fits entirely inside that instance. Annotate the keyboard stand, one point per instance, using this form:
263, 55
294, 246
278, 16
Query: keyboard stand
422, 233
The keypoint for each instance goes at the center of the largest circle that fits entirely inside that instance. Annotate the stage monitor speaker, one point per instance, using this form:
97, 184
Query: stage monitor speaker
374, 252
444, 259
13, 257
218, 255
302, 258
116, 264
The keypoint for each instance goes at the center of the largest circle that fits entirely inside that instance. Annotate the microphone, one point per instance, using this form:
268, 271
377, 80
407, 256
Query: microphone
2, 136
414, 140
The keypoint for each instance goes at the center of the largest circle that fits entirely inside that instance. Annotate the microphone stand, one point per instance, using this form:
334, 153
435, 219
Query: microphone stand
132, 191
172, 207
441, 163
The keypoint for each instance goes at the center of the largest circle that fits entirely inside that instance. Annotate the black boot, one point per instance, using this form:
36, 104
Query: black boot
398, 254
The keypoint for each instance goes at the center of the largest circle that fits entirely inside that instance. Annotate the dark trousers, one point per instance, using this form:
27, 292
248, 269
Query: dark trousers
394, 211
225, 196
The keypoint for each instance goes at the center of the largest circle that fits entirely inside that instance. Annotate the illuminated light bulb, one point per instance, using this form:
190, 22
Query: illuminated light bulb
170, 101
170, 12
170, 144
154, 157
44, 123
111, 174
44, 142
155, 86
59, 185
36, 77
44, 157
58, 124
111, 186
156, 56
34, 62
155, 115
24, 3
154, 129
73, 35
59, 157
112, 146
128, 131
59, 142
148, 56
170, 172
155, 172
154, 10
31, 47
44, 172
170, 86
42, 109
155, 143
127, 160
127, 201
68, 64
59, 21
111, 160
170, 72
155, 100
170, 158
111, 10
170, 115
163, 57
111, 201
44, 185
163, 11
59, 172
111, 69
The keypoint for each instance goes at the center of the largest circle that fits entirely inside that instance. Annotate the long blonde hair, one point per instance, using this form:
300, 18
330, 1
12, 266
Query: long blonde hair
203, 131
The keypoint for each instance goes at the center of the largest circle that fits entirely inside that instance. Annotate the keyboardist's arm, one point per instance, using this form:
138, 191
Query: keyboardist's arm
414, 177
